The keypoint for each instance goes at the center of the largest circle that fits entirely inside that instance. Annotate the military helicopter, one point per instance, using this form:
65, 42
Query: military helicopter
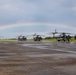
62, 37
22, 38
53, 33
37, 37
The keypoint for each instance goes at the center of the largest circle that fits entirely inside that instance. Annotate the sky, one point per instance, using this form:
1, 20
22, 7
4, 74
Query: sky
57, 12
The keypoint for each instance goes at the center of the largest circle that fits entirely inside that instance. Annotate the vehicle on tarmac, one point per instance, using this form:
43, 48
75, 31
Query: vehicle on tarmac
37, 37
22, 38
61, 36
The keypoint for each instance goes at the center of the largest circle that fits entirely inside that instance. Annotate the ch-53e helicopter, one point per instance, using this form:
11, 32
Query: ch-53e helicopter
62, 36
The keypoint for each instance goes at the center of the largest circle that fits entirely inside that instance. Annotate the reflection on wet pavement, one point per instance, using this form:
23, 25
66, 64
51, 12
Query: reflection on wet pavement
40, 46
59, 46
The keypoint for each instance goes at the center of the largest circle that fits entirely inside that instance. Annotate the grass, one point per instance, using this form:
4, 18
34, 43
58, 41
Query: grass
31, 40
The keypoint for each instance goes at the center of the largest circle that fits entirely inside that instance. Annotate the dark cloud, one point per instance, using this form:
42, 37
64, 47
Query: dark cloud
58, 11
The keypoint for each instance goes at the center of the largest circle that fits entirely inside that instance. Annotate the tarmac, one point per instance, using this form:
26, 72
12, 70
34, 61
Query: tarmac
37, 58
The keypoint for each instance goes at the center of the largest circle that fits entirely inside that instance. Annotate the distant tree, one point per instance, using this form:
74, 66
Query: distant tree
48, 38
75, 37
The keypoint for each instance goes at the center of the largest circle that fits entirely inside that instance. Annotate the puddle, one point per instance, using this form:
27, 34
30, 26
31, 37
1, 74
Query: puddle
31, 53
39, 55
6, 57
5, 42
39, 46
5, 51
58, 46
67, 45
64, 50
53, 55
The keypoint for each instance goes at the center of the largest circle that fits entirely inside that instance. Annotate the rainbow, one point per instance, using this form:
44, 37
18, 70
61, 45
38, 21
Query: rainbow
36, 24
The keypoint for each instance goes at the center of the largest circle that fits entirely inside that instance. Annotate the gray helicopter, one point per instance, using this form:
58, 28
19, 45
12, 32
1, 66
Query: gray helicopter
37, 37
62, 36
22, 38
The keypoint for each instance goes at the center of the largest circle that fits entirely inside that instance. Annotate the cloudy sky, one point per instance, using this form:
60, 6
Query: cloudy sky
36, 11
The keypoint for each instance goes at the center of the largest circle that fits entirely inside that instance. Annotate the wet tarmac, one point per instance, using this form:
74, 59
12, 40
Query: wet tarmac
37, 58
59, 46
